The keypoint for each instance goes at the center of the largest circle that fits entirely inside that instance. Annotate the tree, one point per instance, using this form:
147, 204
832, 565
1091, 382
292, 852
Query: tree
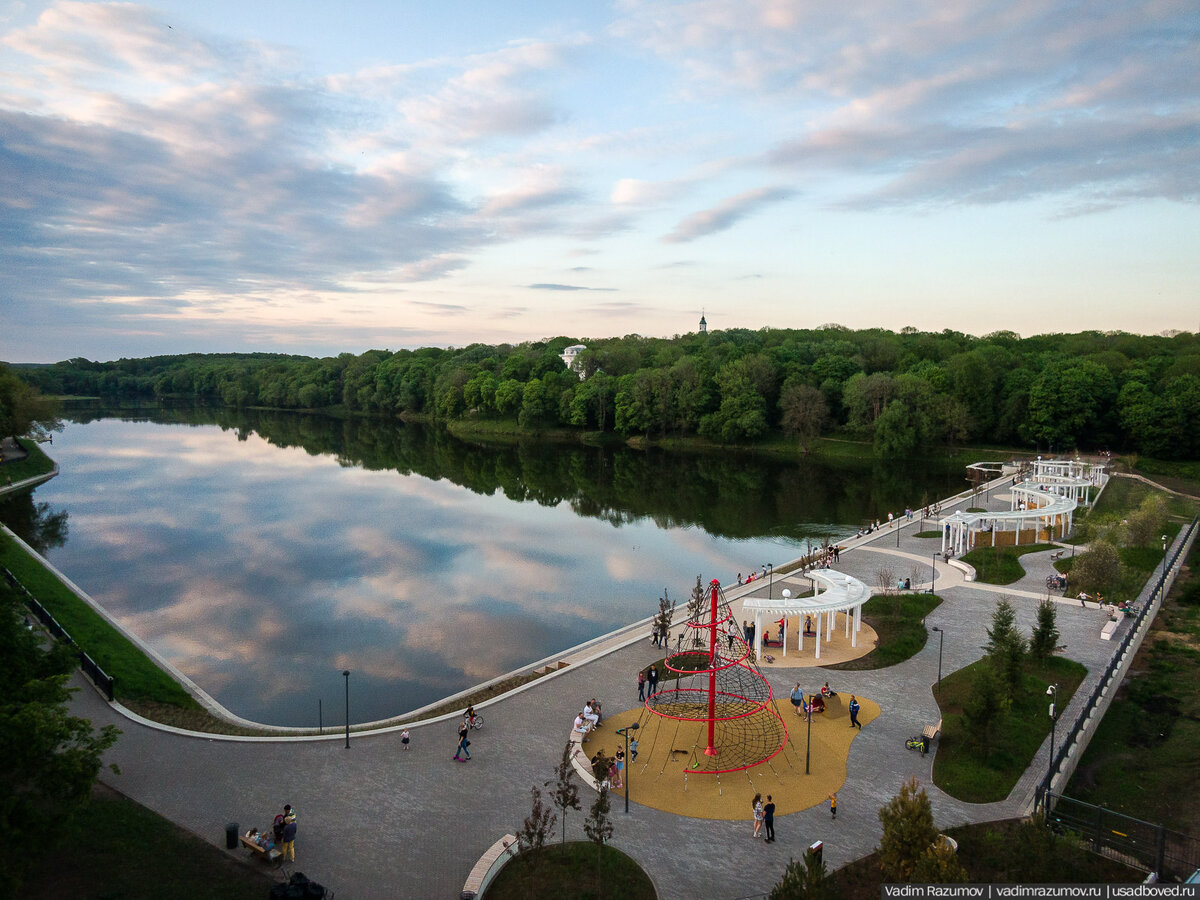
1146, 523
986, 708
939, 865
666, 612
23, 409
535, 830
805, 413
51, 758
806, 879
1043, 640
599, 828
1097, 569
565, 794
1006, 646
908, 831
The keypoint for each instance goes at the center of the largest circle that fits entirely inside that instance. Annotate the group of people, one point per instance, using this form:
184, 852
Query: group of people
808, 706
589, 719
282, 835
647, 683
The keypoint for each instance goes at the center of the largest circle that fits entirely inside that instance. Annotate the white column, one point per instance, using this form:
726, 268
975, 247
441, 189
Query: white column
818, 635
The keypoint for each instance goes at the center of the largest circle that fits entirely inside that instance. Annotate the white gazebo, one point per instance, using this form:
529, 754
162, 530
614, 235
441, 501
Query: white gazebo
835, 593
1047, 498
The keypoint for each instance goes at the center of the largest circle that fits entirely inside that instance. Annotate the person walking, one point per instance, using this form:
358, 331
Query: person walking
769, 819
462, 754
854, 708
797, 698
641, 686
757, 806
288, 845
404, 738
833, 806
652, 680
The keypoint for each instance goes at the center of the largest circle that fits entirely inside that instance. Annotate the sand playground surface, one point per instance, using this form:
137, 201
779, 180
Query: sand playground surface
667, 748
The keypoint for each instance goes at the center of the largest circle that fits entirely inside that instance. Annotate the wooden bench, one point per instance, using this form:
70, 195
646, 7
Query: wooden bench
271, 855
930, 732
1055, 557
488, 865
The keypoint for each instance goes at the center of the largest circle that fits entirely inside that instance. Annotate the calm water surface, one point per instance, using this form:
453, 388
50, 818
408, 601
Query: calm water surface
263, 568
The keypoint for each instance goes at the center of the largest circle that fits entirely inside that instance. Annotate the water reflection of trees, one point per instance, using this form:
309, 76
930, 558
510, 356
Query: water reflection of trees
40, 526
734, 495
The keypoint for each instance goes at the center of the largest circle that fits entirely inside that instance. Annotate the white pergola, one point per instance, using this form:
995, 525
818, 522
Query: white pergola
1048, 497
835, 593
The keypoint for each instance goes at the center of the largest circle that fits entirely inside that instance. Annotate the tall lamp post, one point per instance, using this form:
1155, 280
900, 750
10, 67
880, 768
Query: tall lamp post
934, 578
808, 742
941, 635
346, 675
1163, 589
624, 732
1051, 692
770, 578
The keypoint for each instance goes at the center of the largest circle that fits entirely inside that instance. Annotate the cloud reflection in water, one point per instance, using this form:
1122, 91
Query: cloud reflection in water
262, 571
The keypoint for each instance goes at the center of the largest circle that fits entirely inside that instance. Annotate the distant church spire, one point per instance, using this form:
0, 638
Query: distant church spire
703, 323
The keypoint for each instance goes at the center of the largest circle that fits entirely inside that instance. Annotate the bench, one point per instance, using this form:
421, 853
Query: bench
1055, 557
488, 866
271, 855
930, 732
580, 761
1109, 629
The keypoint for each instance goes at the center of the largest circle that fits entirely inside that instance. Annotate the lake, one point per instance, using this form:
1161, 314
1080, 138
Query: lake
262, 554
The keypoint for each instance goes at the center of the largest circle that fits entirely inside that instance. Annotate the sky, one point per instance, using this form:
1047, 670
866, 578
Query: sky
218, 176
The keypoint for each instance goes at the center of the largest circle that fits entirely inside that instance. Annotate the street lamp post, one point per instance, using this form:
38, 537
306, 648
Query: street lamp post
808, 741
1163, 583
934, 578
346, 675
1052, 692
624, 732
941, 635
770, 578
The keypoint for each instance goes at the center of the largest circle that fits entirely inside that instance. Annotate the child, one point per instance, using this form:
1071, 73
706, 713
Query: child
404, 738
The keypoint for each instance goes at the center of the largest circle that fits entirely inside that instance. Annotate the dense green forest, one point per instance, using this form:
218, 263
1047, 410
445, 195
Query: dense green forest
907, 392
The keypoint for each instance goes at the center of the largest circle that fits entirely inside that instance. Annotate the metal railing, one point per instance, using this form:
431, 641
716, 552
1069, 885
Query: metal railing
1155, 848
1148, 607
87, 665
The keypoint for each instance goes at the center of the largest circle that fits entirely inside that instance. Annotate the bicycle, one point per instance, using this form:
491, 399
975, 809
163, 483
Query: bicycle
475, 723
917, 742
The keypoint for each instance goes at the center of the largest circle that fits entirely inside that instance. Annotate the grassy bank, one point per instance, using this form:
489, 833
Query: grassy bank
119, 849
136, 677
1142, 759
899, 623
986, 774
999, 565
1000, 853
574, 869
36, 463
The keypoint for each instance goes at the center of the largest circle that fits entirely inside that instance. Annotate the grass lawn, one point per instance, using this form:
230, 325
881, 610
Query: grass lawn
573, 869
999, 565
118, 849
1000, 853
136, 677
983, 775
36, 463
1142, 759
899, 621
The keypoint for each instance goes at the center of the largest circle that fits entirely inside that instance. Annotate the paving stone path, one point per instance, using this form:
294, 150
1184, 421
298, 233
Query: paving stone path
376, 822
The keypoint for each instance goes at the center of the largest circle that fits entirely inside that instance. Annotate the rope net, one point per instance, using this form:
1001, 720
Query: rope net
718, 684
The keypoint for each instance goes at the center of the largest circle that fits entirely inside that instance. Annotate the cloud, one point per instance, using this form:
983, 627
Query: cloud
565, 287
726, 214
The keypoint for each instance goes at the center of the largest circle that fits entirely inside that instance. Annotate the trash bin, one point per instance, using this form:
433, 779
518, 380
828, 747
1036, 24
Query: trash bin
231, 836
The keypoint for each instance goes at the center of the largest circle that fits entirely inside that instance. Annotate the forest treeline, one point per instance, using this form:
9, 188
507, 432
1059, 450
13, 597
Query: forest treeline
908, 392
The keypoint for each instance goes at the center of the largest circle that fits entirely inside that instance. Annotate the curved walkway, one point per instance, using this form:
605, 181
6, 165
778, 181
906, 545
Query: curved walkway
378, 822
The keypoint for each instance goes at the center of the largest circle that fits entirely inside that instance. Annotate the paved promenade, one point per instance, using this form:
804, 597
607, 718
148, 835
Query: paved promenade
376, 822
